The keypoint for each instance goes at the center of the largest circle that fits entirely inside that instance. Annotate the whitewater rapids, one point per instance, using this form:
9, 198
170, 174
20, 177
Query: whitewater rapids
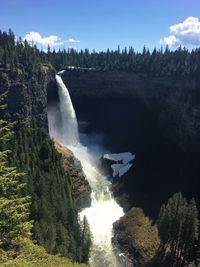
104, 210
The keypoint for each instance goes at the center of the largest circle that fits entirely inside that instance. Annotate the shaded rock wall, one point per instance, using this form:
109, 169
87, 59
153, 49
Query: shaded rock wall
121, 98
157, 119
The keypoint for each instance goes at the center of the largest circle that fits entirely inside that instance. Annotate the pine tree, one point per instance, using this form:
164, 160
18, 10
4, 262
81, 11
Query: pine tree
178, 226
190, 233
14, 207
86, 240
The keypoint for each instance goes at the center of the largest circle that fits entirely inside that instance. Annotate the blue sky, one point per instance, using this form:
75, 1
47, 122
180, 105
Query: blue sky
101, 24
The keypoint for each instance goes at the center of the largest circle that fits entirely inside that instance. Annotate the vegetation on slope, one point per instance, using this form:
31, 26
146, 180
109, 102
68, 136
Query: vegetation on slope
172, 242
52, 210
15, 225
178, 225
49, 213
136, 236
14, 203
55, 218
32, 255
55, 223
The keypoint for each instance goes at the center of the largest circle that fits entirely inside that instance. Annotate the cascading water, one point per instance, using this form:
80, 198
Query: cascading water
69, 126
104, 211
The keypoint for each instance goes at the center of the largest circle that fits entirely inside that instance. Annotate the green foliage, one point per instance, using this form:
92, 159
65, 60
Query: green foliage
21, 55
56, 225
136, 236
14, 55
86, 241
33, 255
178, 226
14, 205
144, 234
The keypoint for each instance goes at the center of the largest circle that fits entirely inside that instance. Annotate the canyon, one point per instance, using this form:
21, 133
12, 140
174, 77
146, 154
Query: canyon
155, 118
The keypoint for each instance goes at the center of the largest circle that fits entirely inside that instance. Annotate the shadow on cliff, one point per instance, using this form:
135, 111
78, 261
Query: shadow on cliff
133, 113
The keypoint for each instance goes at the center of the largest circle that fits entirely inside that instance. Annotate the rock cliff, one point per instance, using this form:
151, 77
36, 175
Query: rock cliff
81, 190
155, 118
27, 94
27, 99
127, 98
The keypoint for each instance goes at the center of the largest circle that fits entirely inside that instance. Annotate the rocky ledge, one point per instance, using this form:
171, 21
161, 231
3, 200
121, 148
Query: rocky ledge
81, 190
136, 237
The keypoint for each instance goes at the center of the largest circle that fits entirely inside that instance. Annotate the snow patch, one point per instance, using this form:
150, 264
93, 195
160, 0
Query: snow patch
118, 167
125, 157
125, 169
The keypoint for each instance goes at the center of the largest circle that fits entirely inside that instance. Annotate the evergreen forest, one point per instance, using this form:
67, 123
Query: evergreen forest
38, 217
163, 62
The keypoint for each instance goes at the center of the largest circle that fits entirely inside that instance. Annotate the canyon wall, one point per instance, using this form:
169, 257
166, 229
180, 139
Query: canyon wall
27, 95
156, 118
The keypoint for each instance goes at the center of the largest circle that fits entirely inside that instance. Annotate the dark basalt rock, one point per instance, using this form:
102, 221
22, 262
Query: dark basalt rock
27, 95
81, 190
110, 100
105, 165
156, 118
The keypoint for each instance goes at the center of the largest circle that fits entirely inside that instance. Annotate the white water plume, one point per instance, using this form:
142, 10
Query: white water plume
104, 210
69, 125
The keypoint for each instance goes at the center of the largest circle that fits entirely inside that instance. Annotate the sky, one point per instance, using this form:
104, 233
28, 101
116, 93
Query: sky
102, 24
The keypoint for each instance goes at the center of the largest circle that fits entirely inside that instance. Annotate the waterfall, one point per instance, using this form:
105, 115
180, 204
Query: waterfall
69, 126
104, 210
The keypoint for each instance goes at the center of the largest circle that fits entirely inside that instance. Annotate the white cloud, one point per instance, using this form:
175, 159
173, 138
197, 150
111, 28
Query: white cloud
51, 40
186, 33
35, 37
170, 40
72, 40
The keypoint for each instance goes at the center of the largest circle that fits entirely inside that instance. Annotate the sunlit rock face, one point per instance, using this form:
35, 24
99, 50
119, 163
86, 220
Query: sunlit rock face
81, 190
137, 237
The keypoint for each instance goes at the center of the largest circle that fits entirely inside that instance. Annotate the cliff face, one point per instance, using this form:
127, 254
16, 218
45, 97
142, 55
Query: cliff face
157, 119
179, 117
27, 96
81, 190
120, 104
27, 99
120, 98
